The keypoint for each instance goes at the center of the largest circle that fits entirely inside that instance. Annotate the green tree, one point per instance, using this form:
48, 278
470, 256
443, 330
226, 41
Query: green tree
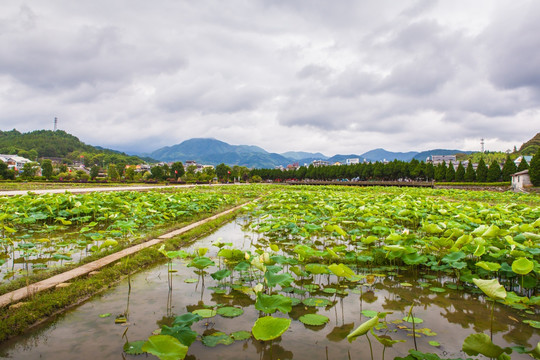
523, 165
450, 173
470, 175
47, 168
130, 173
534, 169
157, 172
94, 172
112, 173
508, 169
29, 170
460, 172
481, 171
494, 172
177, 170
222, 171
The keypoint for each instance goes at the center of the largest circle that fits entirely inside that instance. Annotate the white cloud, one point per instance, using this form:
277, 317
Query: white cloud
307, 75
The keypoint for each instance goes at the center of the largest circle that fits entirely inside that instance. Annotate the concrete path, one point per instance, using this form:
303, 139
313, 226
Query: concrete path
32, 289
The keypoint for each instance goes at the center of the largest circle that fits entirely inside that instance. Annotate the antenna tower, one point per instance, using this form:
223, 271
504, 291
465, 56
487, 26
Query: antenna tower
55, 123
482, 143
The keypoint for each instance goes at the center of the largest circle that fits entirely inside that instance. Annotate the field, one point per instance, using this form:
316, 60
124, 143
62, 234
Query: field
304, 272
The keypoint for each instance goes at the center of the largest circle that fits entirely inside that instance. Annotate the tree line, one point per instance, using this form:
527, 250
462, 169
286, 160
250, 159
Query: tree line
400, 170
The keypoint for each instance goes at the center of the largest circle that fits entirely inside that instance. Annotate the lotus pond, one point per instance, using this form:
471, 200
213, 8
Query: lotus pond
41, 232
327, 273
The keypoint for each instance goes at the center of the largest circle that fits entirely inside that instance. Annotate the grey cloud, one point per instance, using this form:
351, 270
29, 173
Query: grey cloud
512, 47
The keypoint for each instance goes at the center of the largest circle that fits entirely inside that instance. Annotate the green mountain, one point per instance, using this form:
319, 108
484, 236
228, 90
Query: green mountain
57, 144
214, 152
531, 146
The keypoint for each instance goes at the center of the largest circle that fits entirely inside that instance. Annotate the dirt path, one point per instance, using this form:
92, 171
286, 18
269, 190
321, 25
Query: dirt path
22, 293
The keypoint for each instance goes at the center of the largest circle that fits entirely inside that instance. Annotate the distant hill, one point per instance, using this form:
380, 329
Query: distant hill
302, 155
531, 146
381, 154
58, 144
343, 158
215, 152
422, 156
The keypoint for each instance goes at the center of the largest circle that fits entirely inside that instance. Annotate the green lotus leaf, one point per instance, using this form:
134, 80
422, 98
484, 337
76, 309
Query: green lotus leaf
269, 328
221, 274
241, 335
363, 328
205, 313
410, 319
369, 313
492, 231
216, 339
341, 270
284, 279
187, 319
454, 257
432, 229
134, 347
437, 289
489, 266
535, 324
165, 347
491, 288
316, 302
476, 344
317, 269
434, 343
522, 266
369, 240
201, 262
191, 281
272, 303
414, 259
229, 311
386, 340
314, 319
104, 315
181, 332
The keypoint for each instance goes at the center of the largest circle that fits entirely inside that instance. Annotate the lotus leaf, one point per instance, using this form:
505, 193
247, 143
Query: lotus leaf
272, 303
181, 332
201, 262
165, 347
316, 302
134, 347
522, 266
491, 288
221, 274
269, 328
489, 266
205, 313
314, 319
216, 339
341, 270
476, 344
241, 335
229, 311
283, 279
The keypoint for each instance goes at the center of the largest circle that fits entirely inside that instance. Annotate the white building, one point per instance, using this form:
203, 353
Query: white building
521, 180
14, 161
352, 161
318, 163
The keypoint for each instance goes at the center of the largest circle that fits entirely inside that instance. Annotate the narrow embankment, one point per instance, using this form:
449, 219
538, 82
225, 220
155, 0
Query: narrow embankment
30, 290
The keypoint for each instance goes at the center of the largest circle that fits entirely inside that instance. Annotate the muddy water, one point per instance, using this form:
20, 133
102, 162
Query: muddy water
453, 315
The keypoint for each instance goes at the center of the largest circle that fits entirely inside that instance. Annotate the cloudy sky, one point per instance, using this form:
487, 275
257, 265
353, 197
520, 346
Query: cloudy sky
341, 76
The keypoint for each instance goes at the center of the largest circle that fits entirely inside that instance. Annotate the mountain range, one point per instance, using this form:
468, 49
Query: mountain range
214, 152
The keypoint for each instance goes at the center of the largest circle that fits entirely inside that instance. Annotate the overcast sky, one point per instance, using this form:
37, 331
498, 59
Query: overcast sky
287, 75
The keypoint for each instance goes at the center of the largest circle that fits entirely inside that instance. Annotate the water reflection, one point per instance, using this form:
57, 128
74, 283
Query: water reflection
452, 315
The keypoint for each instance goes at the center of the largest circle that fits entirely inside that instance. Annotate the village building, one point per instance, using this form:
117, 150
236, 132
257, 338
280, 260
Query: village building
521, 180
14, 162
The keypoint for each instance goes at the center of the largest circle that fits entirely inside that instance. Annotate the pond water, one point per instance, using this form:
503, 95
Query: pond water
447, 317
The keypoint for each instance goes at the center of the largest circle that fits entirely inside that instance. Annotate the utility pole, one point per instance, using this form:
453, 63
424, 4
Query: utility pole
55, 123
482, 143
